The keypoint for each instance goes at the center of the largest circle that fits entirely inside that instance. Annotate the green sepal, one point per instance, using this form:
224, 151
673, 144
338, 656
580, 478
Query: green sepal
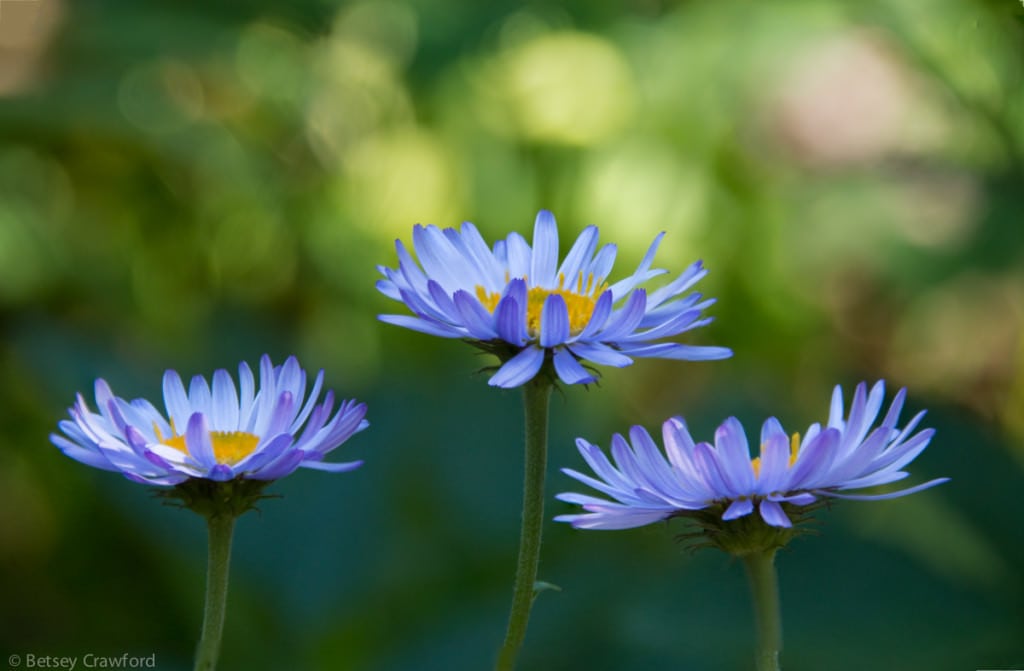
212, 498
745, 535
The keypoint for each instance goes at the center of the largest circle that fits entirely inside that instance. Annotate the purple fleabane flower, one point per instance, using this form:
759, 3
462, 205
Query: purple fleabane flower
215, 432
846, 454
519, 303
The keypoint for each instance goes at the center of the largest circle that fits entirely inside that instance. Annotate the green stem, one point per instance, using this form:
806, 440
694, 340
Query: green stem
764, 587
536, 395
221, 528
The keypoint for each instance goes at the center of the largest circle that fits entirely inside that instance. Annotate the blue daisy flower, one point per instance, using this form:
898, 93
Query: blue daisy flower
216, 431
848, 453
518, 302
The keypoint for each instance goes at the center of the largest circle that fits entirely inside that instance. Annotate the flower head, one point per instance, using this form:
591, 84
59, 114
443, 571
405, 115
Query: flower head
214, 432
520, 303
790, 473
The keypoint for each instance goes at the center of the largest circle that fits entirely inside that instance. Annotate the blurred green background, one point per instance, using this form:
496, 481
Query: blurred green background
191, 184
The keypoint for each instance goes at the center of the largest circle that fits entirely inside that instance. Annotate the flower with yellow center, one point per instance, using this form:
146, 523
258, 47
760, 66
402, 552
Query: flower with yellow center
519, 302
847, 453
230, 432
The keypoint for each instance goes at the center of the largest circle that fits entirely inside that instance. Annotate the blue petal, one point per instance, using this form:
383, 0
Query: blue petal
443, 302
510, 318
814, 461
599, 317
671, 350
424, 325
519, 257
225, 402
197, 440
285, 464
602, 467
422, 304
771, 427
78, 453
774, 463
270, 450
602, 264
388, 287
520, 369
410, 271
314, 394
738, 508
473, 248
734, 457
291, 378
892, 417
599, 485
580, 253
569, 369
686, 321
622, 287
835, 411
627, 318
221, 473
709, 472
772, 513
554, 321
440, 259
677, 286
178, 408
889, 495
199, 396
600, 353
477, 320
899, 456
545, 250
247, 393
614, 520
332, 467
280, 418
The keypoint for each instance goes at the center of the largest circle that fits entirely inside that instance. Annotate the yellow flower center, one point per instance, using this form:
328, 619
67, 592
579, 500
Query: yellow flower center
794, 449
579, 300
229, 447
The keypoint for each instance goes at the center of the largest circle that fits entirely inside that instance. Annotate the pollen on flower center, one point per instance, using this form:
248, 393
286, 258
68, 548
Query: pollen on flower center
579, 301
229, 447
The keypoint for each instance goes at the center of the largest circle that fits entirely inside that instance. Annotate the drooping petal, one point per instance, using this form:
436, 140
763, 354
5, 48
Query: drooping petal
738, 508
601, 354
520, 369
569, 369
773, 514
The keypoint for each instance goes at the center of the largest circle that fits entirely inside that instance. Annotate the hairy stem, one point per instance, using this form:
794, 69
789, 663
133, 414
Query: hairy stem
536, 396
